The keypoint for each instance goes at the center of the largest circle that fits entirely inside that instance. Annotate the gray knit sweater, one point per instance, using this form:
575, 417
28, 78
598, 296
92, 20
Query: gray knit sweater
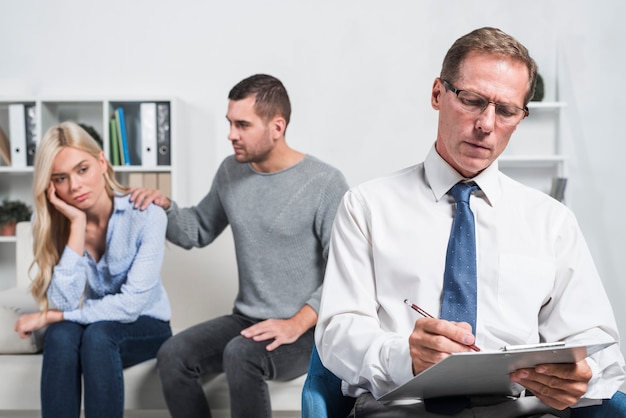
281, 224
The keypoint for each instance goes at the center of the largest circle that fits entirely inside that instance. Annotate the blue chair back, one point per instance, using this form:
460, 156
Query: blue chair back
321, 395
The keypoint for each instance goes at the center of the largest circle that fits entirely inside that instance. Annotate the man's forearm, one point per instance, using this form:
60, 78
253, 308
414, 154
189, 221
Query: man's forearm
305, 318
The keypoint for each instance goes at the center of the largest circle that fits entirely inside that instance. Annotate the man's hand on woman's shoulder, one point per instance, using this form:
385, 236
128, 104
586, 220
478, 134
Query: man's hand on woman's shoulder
142, 198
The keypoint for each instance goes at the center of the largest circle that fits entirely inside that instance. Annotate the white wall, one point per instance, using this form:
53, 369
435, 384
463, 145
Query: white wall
359, 74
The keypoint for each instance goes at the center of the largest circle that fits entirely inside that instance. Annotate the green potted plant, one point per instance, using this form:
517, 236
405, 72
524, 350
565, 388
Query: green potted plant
12, 212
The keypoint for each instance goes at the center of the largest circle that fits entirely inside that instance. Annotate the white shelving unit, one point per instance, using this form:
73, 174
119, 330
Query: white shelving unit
535, 155
16, 182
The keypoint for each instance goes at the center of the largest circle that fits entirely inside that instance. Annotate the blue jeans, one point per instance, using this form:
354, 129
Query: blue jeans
99, 352
610, 408
217, 346
367, 406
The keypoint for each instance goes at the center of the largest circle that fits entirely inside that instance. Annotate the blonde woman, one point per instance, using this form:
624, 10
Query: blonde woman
98, 280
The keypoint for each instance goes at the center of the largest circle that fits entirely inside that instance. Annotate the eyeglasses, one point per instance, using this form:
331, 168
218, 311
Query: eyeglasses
507, 114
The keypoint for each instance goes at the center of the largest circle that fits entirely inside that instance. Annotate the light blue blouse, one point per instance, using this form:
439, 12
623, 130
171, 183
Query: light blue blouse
126, 282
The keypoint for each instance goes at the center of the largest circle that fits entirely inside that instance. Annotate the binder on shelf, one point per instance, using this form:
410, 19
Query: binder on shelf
163, 133
148, 120
30, 115
17, 135
122, 132
5, 148
558, 188
114, 148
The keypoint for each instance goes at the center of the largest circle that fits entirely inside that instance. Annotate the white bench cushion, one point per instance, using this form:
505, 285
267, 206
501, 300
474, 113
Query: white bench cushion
13, 303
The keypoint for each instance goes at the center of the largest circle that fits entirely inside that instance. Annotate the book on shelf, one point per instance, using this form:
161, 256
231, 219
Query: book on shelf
17, 135
123, 136
5, 149
148, 122
135, 180
558, 188
163, 133
150, 180
120, 146
30, 115
114, 145
164, 184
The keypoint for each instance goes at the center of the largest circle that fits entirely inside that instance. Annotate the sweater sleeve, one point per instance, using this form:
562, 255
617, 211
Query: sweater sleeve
198, 226
330, 198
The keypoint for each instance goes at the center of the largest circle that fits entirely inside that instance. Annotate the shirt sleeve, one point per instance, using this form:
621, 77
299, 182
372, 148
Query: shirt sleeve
563, 318
349, 338
144, 274
68, 281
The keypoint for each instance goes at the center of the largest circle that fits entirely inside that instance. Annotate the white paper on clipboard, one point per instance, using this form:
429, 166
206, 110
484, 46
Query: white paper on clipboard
485, 372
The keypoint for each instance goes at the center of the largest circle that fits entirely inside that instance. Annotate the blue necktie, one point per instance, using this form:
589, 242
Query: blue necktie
459, 278
459, 284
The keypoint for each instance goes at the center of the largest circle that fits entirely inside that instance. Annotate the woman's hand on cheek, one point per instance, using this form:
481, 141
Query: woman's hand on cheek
70, 212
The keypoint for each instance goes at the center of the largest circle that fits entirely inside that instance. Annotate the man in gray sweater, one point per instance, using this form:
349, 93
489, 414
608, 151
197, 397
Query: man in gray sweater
280, 204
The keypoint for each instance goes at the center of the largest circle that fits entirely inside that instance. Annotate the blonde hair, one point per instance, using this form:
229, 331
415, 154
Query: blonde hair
50, 227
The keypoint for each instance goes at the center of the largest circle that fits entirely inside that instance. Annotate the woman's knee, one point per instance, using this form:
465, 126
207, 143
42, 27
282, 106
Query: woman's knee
99, 336
62, 346
63, 334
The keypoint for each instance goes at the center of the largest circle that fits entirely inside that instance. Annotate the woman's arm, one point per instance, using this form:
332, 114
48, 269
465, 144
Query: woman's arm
134, 257
28, 323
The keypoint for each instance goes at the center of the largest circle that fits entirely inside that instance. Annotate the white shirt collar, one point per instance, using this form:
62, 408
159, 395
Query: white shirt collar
441, 176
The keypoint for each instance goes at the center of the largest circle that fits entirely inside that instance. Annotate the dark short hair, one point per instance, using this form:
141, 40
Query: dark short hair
271, 96
488, 41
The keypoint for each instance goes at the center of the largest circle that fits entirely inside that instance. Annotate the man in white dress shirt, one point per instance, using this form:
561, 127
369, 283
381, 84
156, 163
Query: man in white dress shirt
536, 276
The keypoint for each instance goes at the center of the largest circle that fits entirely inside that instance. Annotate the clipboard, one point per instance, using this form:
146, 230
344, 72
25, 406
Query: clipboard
487, 372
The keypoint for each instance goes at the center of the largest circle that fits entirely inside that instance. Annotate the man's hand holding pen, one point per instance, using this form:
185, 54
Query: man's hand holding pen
434, 339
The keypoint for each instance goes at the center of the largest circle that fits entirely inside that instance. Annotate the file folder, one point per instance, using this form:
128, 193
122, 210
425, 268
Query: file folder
30, 115
163, 133
148, 121
17, 135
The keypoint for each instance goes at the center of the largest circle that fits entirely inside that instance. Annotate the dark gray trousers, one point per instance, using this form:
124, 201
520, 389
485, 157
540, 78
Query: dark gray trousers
367, 406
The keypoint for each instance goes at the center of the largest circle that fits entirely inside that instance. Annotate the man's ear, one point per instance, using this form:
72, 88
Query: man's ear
278, 126
438, 90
